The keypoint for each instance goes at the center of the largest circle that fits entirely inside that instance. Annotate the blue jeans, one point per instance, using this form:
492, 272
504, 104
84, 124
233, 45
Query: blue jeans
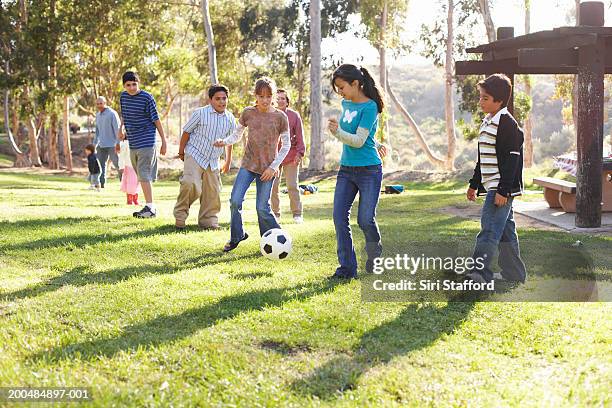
498, 232
103, 155
266, 219
367, 181
94, 179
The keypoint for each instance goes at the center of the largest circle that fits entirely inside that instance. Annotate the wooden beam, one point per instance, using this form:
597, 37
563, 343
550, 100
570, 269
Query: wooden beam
590, 134
558, 43
510, 66
538, 57
542, 39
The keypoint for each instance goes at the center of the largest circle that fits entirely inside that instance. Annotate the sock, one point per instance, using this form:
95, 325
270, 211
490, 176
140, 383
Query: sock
151, 206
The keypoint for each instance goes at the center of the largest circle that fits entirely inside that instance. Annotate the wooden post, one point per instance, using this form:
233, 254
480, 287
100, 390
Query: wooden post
502, 34
590, 79
591, 61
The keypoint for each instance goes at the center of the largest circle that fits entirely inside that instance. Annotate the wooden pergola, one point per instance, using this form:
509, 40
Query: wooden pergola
584, 50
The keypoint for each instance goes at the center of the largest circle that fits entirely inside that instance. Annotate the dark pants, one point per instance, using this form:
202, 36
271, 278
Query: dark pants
266, 219
104, 153
367, 181
498, 232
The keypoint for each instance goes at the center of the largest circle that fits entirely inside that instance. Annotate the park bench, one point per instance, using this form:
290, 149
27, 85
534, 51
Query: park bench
558, 193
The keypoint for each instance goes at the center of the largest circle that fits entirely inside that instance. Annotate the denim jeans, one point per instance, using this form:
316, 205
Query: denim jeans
103, 155
367, 181
498, 232
94, 179
266, 219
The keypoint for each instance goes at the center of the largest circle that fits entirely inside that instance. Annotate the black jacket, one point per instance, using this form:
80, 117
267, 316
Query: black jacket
93, 164
508, 143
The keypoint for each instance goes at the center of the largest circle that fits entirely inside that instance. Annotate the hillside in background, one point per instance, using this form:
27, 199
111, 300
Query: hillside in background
421, 91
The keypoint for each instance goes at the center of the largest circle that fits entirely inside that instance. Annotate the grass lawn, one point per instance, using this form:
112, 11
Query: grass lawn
146, 316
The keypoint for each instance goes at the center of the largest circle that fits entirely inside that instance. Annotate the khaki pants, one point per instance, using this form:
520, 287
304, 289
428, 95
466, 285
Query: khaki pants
204, 184
291, 179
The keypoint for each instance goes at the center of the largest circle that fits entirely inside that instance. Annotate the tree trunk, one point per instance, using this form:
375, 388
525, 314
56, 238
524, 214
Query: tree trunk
21, 159
32, 132
317, 149
448, 87
53, 139
575, 86
66, 133
382, 52
528, 122
431, 156
210, 40
483, 8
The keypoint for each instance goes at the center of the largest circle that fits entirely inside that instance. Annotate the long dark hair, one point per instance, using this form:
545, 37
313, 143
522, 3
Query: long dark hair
350, 73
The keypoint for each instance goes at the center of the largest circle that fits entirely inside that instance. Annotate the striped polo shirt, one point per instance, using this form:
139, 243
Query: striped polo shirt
489, 169
205, 126
139, 114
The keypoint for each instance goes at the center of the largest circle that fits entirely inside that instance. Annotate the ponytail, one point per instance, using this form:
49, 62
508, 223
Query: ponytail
371, 90
350, 73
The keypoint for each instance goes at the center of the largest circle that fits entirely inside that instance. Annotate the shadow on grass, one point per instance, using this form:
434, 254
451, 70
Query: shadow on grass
79, 276
76, 239
417, 327
165, 329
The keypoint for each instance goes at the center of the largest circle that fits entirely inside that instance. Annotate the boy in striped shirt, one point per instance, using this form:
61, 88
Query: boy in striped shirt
140, 119
498, 175
201, 175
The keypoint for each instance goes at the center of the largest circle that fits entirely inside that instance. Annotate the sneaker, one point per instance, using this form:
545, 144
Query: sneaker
230, 246
209, 227
369, 266
476, 277
144, 213
298, 219
91, 188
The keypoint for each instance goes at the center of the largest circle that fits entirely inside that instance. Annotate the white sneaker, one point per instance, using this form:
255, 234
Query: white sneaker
91, 188
298, 219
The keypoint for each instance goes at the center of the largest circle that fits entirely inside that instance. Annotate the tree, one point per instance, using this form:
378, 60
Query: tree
10, 24
383, 20
431, 156
448, 88
317, 151
485, 12
210, 40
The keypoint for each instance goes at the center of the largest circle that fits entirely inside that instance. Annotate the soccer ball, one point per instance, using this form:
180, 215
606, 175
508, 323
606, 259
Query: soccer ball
275, 244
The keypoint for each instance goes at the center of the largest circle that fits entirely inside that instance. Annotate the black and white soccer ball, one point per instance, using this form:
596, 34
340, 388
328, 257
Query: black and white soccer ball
275, 244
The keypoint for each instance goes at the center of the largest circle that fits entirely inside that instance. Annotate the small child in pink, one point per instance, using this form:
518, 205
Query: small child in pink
129, 181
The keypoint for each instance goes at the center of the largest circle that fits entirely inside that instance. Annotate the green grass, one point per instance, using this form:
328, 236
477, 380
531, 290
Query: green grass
6, 161
147, 316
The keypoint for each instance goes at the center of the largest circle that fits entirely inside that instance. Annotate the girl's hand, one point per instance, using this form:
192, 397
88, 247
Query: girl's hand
219, 143
332, 126
382, 151
268, 174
